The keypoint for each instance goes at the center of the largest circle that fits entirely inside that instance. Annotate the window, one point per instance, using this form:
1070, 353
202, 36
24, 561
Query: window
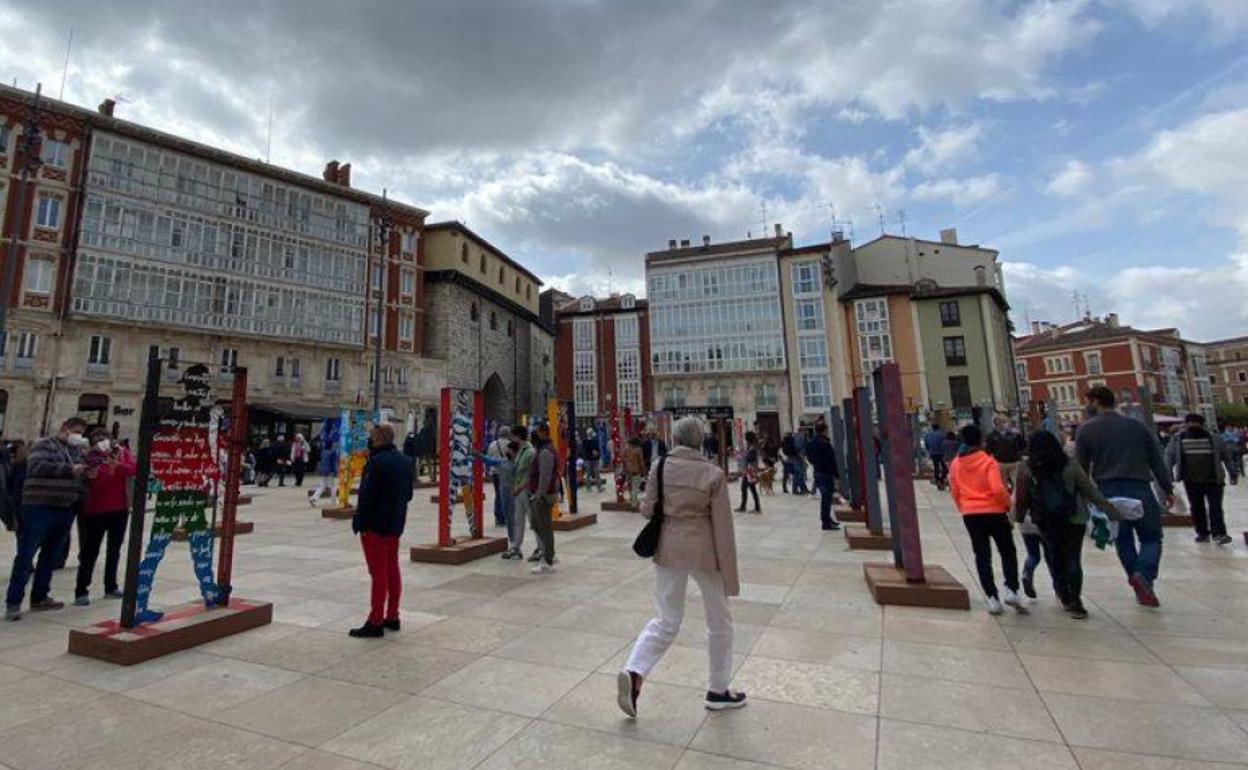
1058, 365
296, 371
1242, 376
628, 302
27, 345
4, 139
407, 282
407, 327
586, 304
805, 278
463, 253
583, 366
626, 331
333, 370
472, 312
502, 278
402, 375
586, 395
528, 291
175, 353
1020, 371
809, 314
54, 153
100, 350
279, 367
372, 373
517, 284
229, 360
960, 392
673, 397
630, 396
955, 351
375, 281
718, 395
409, 242
875, 344
812, 352
816, 392
374, 322
765, 396
38, 276
1093, 362
483, 264
49, 212
950, 313
493, 321
583, 334
628, 365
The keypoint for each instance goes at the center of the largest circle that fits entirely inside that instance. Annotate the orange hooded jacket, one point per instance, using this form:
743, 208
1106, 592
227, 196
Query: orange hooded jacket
976, 485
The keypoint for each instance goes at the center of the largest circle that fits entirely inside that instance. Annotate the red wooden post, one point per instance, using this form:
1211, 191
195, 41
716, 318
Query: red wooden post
902, 462
617, 450
478, 468
444, 470
233, 474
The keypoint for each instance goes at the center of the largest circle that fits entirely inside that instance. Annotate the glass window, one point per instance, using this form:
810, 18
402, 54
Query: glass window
812, 352
333, 370
583, 334
54, 153
673, 397
805, 278
472, 312
816, 392
49, 212
407, 327
295, 370
583, 366
586, 396
407, 282
409, 242
279, 367
626, 331
375, 281
765, 396
955, 351
100, 351
950, 313
1020, 371
27, 345
38, 276
627, 364
960, 392
493, 321
718, 395
229, 360
463, 253
630, 396
1093, 362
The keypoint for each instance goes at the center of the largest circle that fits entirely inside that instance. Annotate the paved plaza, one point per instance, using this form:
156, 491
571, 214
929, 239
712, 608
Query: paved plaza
498, 669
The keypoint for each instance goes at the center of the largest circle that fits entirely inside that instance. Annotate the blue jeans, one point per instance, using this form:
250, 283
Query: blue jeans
825, 484
1146, 559
44, 529
799, 479
500, 518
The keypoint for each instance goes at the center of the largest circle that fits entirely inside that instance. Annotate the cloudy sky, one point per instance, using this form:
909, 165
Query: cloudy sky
1100, 145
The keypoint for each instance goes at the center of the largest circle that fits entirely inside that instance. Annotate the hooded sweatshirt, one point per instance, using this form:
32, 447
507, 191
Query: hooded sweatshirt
976, 485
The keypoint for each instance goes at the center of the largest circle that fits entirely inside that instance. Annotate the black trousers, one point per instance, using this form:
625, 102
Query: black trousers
1064, 551
747, 486
92, 532
986, 529
299, 467
1206, 503
940, 470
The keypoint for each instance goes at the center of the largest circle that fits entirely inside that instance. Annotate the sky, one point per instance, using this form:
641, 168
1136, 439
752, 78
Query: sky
1101, 146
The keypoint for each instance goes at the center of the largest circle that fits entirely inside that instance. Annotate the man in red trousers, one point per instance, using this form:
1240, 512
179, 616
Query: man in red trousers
380, 515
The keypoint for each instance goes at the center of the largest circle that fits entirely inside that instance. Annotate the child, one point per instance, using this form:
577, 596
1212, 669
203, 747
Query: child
979, 492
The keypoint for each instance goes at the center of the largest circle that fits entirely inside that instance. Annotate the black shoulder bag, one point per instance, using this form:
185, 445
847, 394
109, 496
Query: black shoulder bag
647, 543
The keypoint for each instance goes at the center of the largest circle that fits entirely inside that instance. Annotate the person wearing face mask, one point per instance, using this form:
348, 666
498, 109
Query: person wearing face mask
104, 514
54, 473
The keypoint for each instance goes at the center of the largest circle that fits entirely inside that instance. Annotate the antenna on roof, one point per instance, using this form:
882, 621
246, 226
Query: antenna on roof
69, 45
268, 142
879, 213
901, 220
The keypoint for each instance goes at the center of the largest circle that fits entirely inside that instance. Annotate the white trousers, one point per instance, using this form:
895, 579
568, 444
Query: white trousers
669, 606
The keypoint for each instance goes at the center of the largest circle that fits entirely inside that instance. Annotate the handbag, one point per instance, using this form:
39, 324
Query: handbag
647, 543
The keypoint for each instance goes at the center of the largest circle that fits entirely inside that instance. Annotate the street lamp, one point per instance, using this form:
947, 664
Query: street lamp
384, 225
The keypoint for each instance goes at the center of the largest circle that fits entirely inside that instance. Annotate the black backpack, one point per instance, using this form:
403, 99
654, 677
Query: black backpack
1052, 503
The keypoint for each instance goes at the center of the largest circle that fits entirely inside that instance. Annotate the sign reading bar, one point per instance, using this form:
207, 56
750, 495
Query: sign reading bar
709, 412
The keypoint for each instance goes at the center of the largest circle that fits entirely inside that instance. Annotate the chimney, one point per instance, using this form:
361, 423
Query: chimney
1035, 327
779, 231
981, 279
106, 107
706, 240
949, 236
331, 172
344, 175
684, 244
671, 244
1112, 320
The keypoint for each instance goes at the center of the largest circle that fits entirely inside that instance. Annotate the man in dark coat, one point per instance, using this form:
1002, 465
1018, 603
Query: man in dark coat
823, 459
380, 516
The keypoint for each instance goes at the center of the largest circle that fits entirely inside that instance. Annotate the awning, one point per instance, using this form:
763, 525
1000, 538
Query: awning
295, 412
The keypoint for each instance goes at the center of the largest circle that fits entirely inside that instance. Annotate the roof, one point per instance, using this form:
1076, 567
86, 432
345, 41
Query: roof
1228, 342
104, 122
610, 304
459, 278
463, 229
1087, 332
887, 237
728, 247
865, 290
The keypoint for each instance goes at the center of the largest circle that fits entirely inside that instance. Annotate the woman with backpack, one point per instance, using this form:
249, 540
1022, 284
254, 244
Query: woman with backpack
1053, 492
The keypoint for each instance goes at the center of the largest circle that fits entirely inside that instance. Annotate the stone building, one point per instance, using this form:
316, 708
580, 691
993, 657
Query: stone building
483, 320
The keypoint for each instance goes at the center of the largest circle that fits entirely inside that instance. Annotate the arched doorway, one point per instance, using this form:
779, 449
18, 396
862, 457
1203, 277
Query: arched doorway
93, 407
495, 394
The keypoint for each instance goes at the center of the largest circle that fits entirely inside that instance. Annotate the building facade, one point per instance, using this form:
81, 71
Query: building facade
483, 320
1227, 365
602, 350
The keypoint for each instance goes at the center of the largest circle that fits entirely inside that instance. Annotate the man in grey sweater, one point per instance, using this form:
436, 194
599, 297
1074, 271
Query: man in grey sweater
1123, 457
543, 491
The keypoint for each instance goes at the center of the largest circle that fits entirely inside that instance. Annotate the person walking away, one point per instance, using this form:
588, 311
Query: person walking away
822, 458
521, 505
380, 517
1232, 439
544, 474
749, 473
264, 463
495, 452
327, 469
300, 452
592, 455
105, 513
799, 463
1052, 494
53, 487
634, 462
1123, 457
934, 445
697, 540
1006, 447
788, 458
979, 492
410, 450
1203, 463
281, 459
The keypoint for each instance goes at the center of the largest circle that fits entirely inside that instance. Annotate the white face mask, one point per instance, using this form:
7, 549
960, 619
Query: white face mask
77, 440
104, 445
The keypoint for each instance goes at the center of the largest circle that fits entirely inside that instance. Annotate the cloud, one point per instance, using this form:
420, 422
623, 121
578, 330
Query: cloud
1205, 303
1223, 16
1075, 178
961, 192
941, 150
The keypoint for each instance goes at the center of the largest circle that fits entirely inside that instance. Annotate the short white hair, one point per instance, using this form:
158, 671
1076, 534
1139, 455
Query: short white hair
688, 432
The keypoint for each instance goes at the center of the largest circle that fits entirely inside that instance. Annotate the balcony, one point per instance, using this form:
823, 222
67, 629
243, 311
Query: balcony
21, 364
98, 371
333, 387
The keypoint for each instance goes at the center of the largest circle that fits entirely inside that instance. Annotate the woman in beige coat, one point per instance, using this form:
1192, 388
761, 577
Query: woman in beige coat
697, 540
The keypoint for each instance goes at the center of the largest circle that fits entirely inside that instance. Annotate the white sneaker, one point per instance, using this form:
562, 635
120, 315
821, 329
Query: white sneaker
1015, 601
542, 569
994, 606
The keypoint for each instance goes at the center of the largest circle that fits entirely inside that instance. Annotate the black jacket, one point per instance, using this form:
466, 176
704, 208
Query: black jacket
822, 456
1005, 447
385, 491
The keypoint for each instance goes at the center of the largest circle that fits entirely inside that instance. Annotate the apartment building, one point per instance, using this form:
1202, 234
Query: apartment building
602, 354
1227, 365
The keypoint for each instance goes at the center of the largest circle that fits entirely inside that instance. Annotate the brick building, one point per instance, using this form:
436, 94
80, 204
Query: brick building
602, 355
1228, 370
1058, 364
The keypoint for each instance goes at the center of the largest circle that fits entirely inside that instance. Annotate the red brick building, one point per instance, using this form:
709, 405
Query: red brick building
1058, 364
602, 355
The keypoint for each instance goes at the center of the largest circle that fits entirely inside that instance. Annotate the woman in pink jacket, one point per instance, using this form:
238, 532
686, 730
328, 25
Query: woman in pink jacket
104, 514
697, 540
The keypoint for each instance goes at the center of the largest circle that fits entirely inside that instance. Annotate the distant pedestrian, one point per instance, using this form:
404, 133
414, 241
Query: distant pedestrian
1123, 457
634, 469
544, 478
1006, 446
979, 492
1203, 463
380, 517
265, 463
281, 459
503, 469
495, 451
53, 487
104, 514
697, 540
749, 472
591, 453
823, 460
522, 502
1234, 442
327, 472
300, 454
934, 445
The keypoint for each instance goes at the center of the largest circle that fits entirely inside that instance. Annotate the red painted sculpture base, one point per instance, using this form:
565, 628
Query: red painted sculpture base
612, 505
888, 586
182, 627
240, 528
861, 539
461, 552
1176, 520
852, 515
570, 521
338, 513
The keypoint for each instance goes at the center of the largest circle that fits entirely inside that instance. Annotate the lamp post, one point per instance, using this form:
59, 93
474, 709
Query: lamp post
384, 226
30, 162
